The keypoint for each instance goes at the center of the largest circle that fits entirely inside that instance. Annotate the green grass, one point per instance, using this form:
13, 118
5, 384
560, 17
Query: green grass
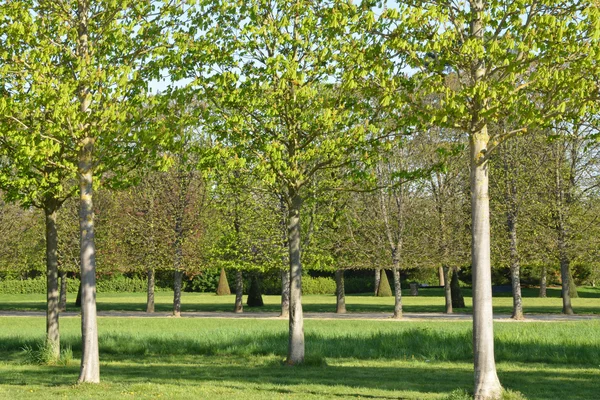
225, 358
429, 300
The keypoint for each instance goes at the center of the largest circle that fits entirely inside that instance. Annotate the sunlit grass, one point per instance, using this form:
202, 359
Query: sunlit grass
224, 358
429, 300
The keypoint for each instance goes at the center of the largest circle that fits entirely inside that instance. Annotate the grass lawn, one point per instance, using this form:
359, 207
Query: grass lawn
429, 300
224, 358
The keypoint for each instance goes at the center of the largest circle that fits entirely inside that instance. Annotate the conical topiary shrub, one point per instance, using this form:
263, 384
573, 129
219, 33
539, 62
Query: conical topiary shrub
254, 292
223, 287
385, 289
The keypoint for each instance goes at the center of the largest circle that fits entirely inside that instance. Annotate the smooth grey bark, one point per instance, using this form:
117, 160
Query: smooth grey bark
397, 291
515, 267
239, 292
565, 274
177, 278
447, 290
543, 278
285, 294
62, 303
487, 384
296, 320
150, 291
52, 294
377, 279
340, 292
90, 359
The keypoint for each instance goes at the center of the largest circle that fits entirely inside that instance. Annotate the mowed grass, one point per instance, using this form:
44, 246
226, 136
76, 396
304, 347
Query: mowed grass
429, 300
226, 358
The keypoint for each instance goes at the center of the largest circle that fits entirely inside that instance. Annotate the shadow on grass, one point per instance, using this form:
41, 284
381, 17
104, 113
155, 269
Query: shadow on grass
356, 381
515, 343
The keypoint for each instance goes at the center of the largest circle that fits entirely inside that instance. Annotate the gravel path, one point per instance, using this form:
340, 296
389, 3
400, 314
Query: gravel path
312, 315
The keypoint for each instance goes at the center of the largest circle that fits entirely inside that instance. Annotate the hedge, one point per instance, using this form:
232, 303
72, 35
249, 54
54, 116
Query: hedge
38, 285
271, 285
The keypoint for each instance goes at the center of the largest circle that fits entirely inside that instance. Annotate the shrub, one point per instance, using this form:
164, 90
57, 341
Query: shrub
320, 285
385, 289
223, 287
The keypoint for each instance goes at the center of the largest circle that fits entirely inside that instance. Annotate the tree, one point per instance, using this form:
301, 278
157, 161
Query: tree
90, 62
266, 81
505, 58
223, 286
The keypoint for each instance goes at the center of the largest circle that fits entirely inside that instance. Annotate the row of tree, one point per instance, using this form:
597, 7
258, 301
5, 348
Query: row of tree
307, 101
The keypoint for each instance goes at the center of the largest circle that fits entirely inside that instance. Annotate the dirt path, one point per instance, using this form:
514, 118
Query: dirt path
313, 315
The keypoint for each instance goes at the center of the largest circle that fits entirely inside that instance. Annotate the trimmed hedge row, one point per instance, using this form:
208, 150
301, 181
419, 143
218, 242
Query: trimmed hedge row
271, 285
38, 285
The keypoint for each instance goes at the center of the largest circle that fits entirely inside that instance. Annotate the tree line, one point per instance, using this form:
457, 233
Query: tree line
347, 132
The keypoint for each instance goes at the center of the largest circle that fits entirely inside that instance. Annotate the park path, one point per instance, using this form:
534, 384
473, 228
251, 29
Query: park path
316, 315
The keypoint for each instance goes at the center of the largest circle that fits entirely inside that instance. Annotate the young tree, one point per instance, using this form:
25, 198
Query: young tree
91, 61
279, 88
503, 56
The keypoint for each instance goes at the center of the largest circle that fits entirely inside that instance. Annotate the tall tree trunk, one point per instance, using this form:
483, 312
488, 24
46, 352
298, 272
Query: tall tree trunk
239, 292
62, 303
340, 293
397, 290
565, 274
487, 384
177, 278
285, 293
377, 279
90, 359
150, 291
543, 278
296, 325
515, 268
441, 276
52, 310
447, 290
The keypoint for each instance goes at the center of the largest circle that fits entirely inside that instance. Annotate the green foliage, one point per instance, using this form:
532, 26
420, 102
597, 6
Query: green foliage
223, 287
384, 289
319, 285
115, 284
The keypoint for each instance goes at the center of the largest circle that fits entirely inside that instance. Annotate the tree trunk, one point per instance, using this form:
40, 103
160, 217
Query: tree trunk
458, 301
397, 291
515, 267
150, 291
52, 310
340, 293
377, 280
177, 278
62, 304
543, 277
441, 276
285, 293
447, 290
90, 359
296, 321
487, 384
565, 274
239, 292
